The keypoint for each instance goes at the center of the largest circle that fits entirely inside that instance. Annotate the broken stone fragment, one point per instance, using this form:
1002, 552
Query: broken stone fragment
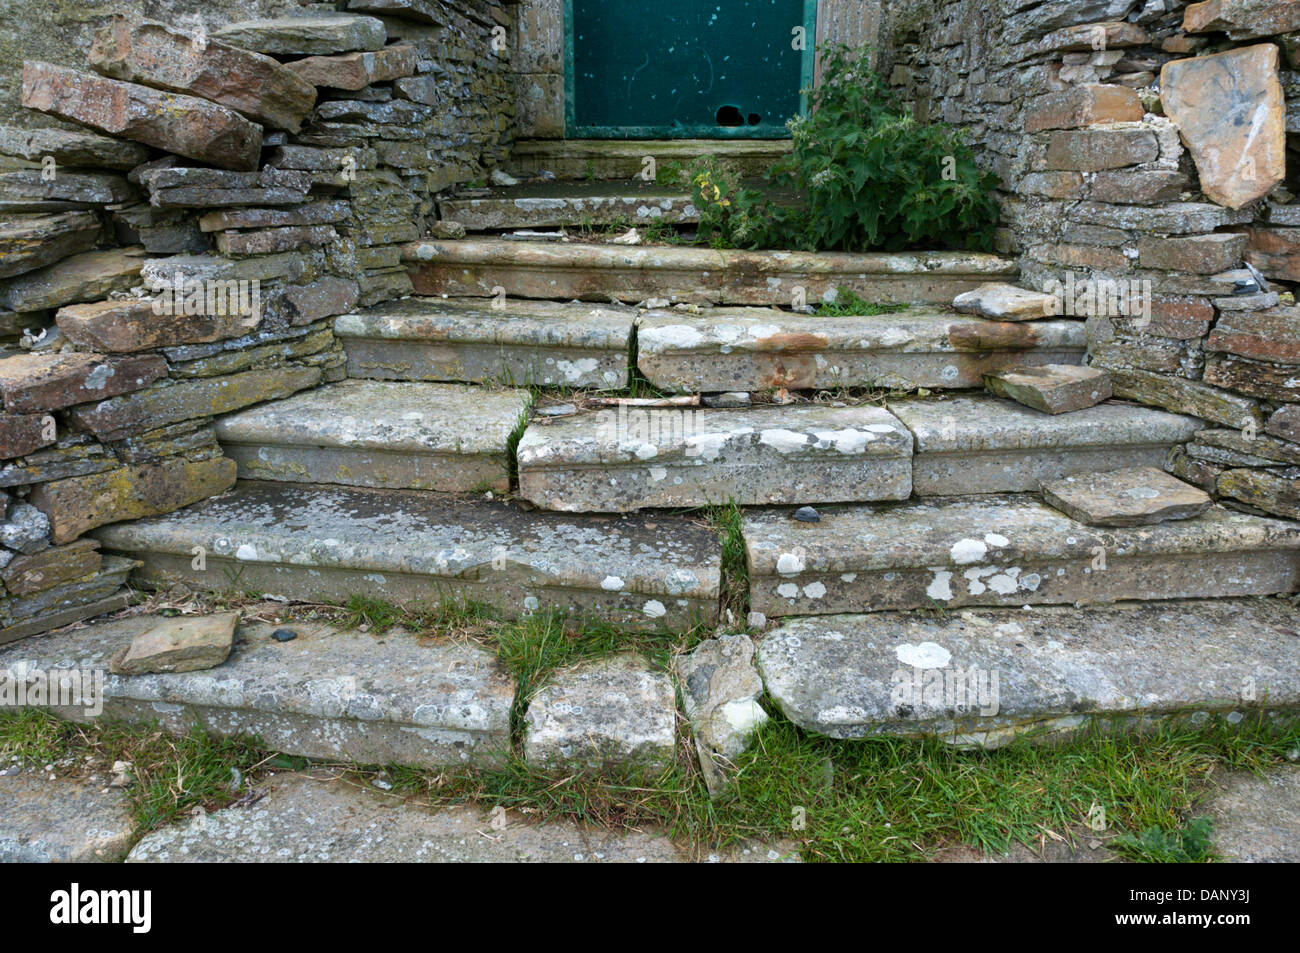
721, 691
1135, 496
1231, 114
249, 83
1051, 388
34, 241
179, 645
355, 71
1006, 303
185, 125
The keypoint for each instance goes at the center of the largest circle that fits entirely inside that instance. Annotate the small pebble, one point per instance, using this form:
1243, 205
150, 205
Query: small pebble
382, 784
806, 514
284, 635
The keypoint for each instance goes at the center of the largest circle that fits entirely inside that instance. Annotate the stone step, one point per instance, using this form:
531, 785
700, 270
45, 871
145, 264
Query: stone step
551, 204
758, 349
984, 677
637, 457
392, 434
404, 546
326, 694
523, 343
594, 272
1005, 550
604, 159
981, 444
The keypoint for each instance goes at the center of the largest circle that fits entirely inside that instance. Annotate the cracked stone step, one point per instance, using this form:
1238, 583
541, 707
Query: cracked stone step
596, 272
1005, 550
394, 434
604, 159
326, 694
552, 204
985, 677
970, 445
524, 343
759, 349
404, 546
637, 457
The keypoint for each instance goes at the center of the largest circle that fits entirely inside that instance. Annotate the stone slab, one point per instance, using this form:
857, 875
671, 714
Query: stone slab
633, 458
1003, 302
327, 694
598, 272
89, 276
61, 821
185, 125
1051, 388
125, 326
28, 242
406, 546
68, 602
967, 445
1255, 817
550, 205
36, 381
721, 690
353, 71
544, 344
1132, 496
603, 713
322, 818
580, 159
311, 33
76, 148
853, 676
179, 644
761, 349
396, 434
1005, 550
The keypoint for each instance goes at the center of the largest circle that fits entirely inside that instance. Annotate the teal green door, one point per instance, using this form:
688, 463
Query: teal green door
654, 69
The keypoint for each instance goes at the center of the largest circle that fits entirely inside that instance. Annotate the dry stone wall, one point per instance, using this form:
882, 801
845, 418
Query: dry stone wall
188, 194
1148, 154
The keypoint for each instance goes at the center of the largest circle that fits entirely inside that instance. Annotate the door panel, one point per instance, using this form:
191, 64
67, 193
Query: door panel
686, 68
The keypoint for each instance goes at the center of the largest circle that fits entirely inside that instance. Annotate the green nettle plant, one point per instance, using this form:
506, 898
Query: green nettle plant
863, 175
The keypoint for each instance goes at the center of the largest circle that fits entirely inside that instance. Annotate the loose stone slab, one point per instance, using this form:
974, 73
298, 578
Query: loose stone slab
1003, 302
179, 645
721, 691
548, 205
1005, 550
605, 712
250, 83
1051, 388
311, 33
315, 818
327, 694
1230, 110
985, 677
61, 821
1133, 496
597, 272
404, 435
185, 125
755, 349
330, 543
967, 445
636, 457
545, 344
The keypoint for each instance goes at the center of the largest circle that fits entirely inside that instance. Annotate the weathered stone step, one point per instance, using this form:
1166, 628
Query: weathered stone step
1005, 550
309, 542
638, 457
326, 694
760, 349
551, 204
984, 677
603, 159
979, 444
526, 343
392, 434
593, 272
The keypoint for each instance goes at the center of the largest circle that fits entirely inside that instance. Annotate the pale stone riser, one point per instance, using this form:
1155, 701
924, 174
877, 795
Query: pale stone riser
716, 286
944, 370
313, 736
485, 214
1020, 471
589, 489
379, 359
397, 469
1148, 578
311, 583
